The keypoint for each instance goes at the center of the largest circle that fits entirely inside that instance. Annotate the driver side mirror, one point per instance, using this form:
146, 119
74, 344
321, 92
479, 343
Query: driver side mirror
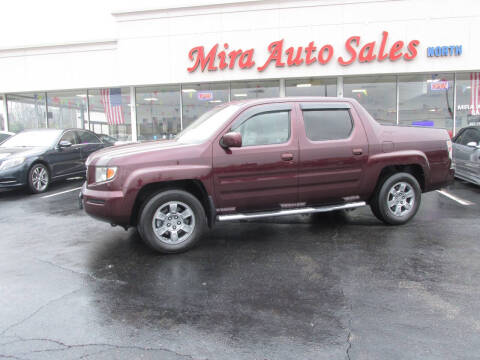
473, 144
231, 139
64, 144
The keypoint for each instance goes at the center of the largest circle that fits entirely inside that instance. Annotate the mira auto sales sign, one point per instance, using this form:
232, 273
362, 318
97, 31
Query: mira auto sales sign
220, 58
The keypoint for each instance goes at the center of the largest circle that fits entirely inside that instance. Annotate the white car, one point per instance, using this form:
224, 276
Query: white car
4, 135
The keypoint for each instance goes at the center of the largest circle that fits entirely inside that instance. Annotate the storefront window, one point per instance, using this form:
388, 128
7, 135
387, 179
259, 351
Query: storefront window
158, 112
26, 111
311, 87
378, 94
426, 100
110, 112
255, 89
2, 115
199, 98
67, 109
468, 105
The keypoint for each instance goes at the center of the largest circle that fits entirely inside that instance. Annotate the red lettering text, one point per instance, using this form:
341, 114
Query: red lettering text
328, 49
411, 49
351, 50
201, 59
275, 49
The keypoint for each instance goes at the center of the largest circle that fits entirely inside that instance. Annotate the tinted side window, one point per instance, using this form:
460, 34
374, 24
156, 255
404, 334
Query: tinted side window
265, 129
87, 138
69, 136
329, 124
469, 135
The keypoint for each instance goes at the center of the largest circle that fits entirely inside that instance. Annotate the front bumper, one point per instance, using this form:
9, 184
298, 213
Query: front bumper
14, 177
108, 206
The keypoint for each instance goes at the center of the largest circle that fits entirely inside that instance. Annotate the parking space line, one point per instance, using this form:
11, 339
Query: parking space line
61, 192
455, 198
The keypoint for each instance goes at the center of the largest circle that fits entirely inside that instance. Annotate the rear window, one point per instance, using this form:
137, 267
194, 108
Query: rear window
327, 124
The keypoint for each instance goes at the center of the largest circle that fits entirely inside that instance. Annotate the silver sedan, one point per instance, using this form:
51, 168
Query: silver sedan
466, 154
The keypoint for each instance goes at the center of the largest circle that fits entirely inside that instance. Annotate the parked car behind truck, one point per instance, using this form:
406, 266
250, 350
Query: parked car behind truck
269, 157
466, 154
35, 158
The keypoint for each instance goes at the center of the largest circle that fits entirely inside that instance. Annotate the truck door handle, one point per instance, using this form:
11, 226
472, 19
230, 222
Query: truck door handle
287, 157
358, 151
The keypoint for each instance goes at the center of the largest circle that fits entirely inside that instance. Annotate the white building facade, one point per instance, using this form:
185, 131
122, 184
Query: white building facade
408, 62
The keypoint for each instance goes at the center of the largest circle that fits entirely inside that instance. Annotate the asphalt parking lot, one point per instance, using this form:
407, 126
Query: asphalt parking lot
335, 286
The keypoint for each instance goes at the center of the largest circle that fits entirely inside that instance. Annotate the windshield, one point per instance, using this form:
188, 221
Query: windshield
206, 125
32, 138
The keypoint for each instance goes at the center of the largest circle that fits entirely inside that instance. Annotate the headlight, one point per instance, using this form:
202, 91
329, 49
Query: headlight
7, 164
104, 173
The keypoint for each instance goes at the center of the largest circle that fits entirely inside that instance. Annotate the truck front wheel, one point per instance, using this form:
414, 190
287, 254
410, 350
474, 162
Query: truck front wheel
172, 221
397, 200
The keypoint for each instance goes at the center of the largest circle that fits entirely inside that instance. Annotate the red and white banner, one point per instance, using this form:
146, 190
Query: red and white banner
474, 90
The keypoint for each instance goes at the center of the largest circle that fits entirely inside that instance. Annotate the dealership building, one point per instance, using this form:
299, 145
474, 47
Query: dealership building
146, 73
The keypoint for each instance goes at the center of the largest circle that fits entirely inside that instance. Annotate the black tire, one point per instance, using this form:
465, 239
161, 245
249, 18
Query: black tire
384, 197
38, 179
194, 225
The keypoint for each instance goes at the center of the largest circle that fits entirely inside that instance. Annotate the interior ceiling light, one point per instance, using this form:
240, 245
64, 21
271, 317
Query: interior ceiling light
150, 99
304, 85
189, 90
215, 101
240, 95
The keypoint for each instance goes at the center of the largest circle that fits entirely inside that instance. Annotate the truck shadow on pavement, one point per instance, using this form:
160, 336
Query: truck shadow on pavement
265, 280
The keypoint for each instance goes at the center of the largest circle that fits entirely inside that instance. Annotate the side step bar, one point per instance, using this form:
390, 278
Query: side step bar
306, 210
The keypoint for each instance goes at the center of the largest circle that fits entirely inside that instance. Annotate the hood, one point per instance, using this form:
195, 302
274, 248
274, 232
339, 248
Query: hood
114, 155
6, 152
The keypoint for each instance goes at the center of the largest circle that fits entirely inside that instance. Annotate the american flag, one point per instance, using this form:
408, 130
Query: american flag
474, 92
112, 103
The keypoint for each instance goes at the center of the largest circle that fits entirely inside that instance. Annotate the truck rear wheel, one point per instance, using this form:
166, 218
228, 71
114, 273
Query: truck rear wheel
397, 200
172, 221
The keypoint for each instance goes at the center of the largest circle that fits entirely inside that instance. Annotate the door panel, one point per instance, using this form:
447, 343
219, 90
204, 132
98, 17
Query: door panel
65, 161
258, 177
333, 153
88, 143
466, 157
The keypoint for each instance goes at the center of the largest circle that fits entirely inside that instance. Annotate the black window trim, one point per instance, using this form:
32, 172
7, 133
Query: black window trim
349, 111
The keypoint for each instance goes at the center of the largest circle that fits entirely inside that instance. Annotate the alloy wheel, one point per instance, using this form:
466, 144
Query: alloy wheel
401, 199
40, 178
173, 222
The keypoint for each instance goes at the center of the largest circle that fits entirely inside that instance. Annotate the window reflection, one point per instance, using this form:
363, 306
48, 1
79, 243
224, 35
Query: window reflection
254, 89
110, 112
26, 111
197, 99
468, 105
67, 109
377, 94
158, 112
426, 100
311, 87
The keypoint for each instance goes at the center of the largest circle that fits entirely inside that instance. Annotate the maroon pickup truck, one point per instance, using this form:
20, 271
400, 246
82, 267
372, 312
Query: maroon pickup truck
269, 157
